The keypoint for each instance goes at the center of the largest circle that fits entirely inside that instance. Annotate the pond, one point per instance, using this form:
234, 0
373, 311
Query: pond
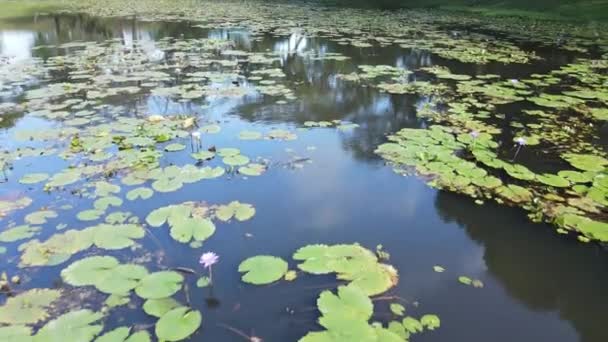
227, 172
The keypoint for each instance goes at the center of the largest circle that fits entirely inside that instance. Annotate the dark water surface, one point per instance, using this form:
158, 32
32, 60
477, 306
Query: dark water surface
538, 286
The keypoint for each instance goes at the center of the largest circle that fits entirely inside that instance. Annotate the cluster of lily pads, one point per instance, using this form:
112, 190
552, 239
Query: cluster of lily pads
345, 315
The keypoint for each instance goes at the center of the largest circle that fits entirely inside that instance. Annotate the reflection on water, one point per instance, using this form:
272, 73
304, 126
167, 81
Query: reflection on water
538, 287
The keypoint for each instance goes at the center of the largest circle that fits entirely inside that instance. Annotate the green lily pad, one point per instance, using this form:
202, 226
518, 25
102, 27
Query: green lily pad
228, 152
175, 147
263, 269
140, 193
178, 324
33, 178
252, 169
203, 155
350, 304
115, 300
40, 216
102, 204
431, 322
121, 334
586, 162
89, 215
397, 309
412, 325
553, 180
109, 236
159, 307
159, 285
18, 233
15, 333
210, 129
236, 160
203, 282
28, 307
236, 209
73, 326
186, 229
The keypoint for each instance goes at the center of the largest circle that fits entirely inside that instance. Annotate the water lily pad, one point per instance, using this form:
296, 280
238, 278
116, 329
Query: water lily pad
89, 215
73, 326
586, 162
159, 285
159, 307
18, 233
397, 309
431, 322
235, 160
350, 304
28, 307
109, 236
553, 180
121, 334
40, 216
140, 193
33, 178
252, 169
412, 325
178, 324
15, 333
115, 300
175, 147
186, 229
210, 129
263, 269
203, 282
236, 209
203, 155
228, 152
102, 204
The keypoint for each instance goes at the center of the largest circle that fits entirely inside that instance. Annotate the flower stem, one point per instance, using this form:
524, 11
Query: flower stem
516, 152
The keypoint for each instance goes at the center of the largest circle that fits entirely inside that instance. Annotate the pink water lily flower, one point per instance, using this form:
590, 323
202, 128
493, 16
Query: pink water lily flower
474, 134
209, 259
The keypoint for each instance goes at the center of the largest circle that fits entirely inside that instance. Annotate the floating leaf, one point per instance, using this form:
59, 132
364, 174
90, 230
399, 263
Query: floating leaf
465, 280
28, 307
252, 169
40, 217
15, 333
89, 215
109, 236
159, 285
236, 160
159, 307
115, 300
33, 178
412, 325
175, 147
397, 309
72, 326
18, 233
203, 282
142, 193
203, 155
178, 324
263, 269
431, 322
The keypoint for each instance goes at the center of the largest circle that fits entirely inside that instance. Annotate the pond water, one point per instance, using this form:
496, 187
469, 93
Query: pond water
318, 185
